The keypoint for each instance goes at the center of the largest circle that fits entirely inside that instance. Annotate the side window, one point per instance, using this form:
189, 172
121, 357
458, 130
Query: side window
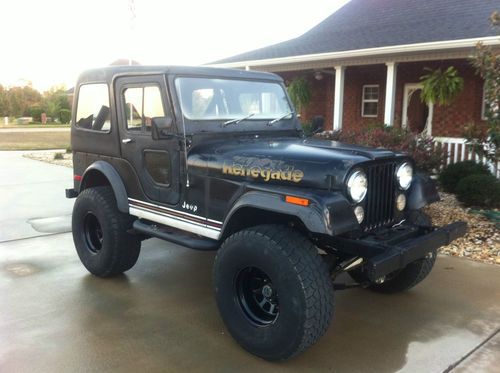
93, 107
142, 104
157, 164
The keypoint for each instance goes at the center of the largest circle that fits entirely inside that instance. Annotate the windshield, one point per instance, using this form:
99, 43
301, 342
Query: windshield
226, 99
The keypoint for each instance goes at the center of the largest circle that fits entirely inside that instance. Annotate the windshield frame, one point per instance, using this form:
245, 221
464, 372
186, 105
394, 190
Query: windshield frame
252, 124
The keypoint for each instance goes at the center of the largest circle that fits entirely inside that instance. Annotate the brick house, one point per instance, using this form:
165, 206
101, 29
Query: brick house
364, 63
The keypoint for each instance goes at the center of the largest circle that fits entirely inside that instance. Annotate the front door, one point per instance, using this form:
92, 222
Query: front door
156, 162
415, 112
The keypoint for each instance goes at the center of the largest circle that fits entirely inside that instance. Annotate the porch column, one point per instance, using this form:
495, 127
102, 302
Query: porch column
339, 98
390, 93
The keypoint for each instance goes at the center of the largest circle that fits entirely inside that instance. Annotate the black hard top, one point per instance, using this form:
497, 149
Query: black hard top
107, 74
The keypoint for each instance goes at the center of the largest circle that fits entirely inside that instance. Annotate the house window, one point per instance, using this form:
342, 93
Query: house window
483, 104
493, 106
370, 100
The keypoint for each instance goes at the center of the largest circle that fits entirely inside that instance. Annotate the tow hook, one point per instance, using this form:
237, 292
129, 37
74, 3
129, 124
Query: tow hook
346, 266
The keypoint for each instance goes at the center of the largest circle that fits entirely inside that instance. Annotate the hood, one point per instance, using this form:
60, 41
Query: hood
311, 163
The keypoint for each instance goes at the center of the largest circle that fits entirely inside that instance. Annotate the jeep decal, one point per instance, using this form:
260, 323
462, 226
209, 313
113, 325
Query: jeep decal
265, 174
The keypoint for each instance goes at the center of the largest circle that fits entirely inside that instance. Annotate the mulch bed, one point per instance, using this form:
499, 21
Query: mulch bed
482, 241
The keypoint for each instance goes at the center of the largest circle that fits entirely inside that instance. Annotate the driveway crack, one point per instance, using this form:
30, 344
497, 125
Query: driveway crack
458, 362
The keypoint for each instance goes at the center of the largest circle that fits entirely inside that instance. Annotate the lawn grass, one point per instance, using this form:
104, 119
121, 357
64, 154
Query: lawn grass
34, 125
34, 140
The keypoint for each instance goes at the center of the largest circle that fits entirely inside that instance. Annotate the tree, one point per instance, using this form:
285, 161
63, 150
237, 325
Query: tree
487, 65
21, 98
54, 101
4, 102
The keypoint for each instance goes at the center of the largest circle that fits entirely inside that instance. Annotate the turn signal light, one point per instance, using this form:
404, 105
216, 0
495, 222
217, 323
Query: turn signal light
297, 201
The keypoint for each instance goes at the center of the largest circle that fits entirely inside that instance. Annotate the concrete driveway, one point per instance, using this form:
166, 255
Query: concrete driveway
161, 315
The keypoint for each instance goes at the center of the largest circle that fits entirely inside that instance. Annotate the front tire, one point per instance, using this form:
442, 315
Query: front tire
408, 277
100, 233
273, 290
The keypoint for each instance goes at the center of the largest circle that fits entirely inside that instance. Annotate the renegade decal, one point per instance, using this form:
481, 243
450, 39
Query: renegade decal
265, 173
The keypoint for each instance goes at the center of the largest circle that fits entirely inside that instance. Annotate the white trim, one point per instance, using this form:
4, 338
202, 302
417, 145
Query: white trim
390, 93
363, 100
165, 220
395, 49
173, 210
406, 98
338, 101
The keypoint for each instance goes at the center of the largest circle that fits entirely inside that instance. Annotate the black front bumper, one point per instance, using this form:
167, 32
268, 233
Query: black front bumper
394, 249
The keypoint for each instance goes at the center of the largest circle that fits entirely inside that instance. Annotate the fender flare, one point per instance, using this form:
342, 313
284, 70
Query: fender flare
423, 191
311, 216
114, 179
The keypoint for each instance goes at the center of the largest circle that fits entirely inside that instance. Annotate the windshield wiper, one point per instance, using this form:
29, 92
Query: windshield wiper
271, 122
237, 120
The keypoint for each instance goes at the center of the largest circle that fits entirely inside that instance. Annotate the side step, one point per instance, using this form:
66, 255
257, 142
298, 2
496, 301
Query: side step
175, 236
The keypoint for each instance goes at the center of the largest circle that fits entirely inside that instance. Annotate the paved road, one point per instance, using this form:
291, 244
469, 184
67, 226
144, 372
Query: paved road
161, 315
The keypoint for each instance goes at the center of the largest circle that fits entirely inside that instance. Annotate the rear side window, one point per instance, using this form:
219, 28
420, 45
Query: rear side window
93, 107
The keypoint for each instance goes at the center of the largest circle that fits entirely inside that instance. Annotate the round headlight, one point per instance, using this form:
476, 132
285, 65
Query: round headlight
404, 175
357, 185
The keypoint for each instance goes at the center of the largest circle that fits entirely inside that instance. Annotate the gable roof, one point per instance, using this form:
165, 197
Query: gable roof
366, 24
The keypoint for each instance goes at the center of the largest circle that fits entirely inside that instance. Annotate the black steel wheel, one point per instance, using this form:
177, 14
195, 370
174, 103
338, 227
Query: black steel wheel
273, 291
93, 232
100, 233
257, 296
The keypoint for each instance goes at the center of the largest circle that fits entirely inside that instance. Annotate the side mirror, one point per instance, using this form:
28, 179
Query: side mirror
318, 124
162, 127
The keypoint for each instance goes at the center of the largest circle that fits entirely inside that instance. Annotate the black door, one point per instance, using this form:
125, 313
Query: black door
156, 162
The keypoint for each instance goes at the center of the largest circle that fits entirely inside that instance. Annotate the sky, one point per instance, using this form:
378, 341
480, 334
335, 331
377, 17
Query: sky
49, 42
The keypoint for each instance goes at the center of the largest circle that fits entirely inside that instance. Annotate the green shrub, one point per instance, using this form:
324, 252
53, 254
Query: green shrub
35, 112
427, 158
58, 156
69, 150
479, 190
454, 173
64, 115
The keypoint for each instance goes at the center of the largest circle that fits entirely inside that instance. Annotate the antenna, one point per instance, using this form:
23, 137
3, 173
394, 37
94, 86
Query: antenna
131, 8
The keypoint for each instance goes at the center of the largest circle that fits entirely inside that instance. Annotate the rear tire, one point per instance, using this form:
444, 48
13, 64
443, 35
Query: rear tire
273, 290
100, 233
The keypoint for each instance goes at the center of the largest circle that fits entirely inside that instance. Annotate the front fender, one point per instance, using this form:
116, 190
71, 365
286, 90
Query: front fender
113, 178
330, 214
423, 191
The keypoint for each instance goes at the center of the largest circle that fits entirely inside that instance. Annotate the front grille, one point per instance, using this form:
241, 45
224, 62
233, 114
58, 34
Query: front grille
380, 199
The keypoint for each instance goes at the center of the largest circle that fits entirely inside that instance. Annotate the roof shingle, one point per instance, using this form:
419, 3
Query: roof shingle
364, 24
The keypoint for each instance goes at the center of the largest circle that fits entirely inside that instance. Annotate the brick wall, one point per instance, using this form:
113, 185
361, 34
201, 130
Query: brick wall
447, 121
355, 78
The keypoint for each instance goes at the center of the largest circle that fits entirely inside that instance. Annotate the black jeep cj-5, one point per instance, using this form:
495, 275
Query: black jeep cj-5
215, 159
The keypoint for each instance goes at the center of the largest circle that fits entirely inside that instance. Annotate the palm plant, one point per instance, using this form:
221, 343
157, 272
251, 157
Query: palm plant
300, 92
440, 87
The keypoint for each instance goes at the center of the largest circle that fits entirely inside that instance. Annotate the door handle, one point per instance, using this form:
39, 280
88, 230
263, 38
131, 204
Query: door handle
126, 141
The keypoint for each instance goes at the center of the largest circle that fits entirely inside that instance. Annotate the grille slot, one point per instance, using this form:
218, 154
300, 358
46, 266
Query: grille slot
380, 200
